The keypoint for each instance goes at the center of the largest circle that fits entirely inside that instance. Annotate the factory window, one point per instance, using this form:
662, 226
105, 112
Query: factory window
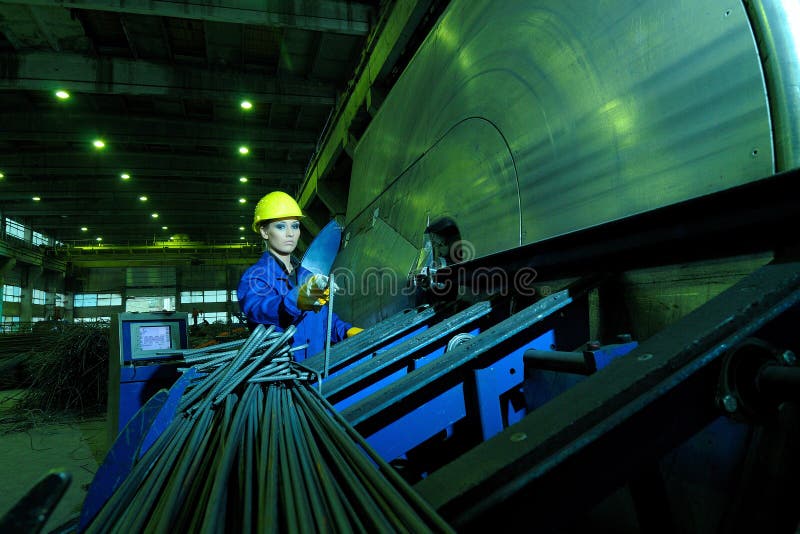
215, 296
60, 300
39, 297
9, 324
39, 239
234, 298
82, 300
36, 319
15, 229
149, 304
12, 293
216, 317
191, 296
85, 300
203, 296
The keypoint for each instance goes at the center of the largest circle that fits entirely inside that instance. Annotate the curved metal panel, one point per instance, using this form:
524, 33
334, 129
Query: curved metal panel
320, 255
478, 190
776, 24
369, 273
603, 110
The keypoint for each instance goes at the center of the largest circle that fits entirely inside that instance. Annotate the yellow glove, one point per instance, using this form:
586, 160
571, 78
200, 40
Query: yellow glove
353, 331
314, 293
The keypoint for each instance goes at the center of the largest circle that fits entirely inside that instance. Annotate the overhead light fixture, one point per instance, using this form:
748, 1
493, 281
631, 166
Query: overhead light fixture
243, 179
83, 229
154, 215
143, 198
241, 228
163, 227
246, 104
99, 143
125, 176
242, 200
98, 238
243, 150
62, 94
2, 175
241, 237
37, 199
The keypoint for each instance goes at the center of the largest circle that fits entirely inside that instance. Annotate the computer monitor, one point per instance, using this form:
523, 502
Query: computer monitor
148, 336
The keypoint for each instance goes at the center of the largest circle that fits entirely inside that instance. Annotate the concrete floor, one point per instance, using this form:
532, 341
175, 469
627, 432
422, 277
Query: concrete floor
28, 454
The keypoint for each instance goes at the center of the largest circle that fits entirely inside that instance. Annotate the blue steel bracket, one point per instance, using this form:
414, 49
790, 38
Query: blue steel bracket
377, 338
432, 397
360, 381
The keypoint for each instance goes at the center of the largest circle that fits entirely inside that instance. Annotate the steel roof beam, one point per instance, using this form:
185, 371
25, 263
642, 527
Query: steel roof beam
115, 161
143, 137
47, 71
84, 185
382, 51
88, 211
349, 17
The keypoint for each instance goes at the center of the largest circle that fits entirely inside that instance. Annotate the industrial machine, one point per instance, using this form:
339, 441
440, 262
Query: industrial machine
143, 348
544, 178
569, 237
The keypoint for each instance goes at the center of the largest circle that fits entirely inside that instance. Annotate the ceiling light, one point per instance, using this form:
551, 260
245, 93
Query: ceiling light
163, 227
143, 198
243, 179
99, 239
125, 176
154, 215
37, 199
62, 94
242, 200
246, 104
99, 143
243, 150
2, 175
83, 229
241, 228
241, 237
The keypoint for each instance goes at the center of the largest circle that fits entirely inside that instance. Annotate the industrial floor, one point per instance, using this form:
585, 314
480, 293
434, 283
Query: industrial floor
29, 450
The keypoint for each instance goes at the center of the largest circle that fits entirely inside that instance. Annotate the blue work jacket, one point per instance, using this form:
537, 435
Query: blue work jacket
267, 295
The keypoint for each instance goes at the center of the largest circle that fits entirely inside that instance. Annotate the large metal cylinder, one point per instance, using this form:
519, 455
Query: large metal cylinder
519, 121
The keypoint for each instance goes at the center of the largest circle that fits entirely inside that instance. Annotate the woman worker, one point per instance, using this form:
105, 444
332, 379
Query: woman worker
277, 291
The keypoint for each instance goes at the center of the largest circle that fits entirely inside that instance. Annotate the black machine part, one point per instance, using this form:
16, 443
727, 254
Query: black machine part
756, 378
33, 510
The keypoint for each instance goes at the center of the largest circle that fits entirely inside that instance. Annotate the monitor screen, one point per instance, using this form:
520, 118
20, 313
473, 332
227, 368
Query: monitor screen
154, 337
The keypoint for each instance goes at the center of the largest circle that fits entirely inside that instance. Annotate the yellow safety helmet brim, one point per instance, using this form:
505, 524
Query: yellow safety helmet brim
275, 205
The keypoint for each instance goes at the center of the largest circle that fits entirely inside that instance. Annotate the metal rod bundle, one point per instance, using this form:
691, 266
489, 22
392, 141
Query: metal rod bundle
254, 448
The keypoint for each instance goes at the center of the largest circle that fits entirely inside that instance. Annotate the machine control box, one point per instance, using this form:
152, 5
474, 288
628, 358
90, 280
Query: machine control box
142, 361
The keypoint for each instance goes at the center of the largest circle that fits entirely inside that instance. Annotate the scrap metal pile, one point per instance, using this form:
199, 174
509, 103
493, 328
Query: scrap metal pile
253, 447
65, 368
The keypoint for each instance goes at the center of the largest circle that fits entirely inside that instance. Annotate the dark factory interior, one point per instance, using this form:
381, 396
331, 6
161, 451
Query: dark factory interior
399, 266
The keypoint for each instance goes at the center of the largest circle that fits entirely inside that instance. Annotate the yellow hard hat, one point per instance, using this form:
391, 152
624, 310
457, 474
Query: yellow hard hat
275, 205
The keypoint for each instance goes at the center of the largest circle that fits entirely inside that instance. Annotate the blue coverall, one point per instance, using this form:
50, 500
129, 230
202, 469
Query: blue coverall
267, 295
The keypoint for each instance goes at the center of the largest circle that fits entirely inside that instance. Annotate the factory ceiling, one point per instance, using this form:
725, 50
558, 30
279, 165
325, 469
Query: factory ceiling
165, 86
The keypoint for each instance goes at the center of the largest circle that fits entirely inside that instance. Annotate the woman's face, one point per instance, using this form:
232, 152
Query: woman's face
281, 235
